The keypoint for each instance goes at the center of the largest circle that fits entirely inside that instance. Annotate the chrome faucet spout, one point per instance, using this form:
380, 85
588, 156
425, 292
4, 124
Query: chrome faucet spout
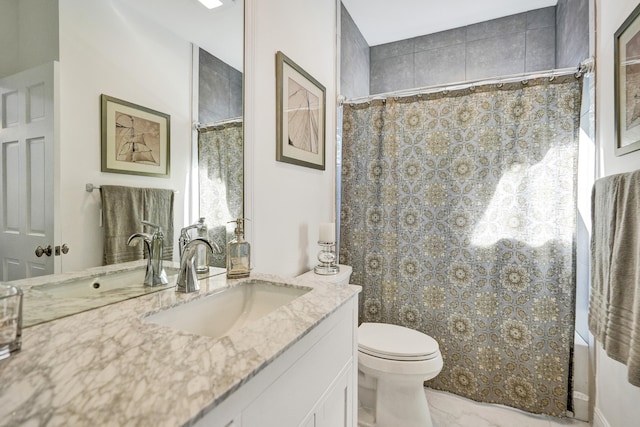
146, 238
187, 277
184, 237
155, 274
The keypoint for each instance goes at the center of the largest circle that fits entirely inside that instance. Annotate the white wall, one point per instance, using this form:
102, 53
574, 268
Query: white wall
617, 401
107, 49
285, 202
28, 34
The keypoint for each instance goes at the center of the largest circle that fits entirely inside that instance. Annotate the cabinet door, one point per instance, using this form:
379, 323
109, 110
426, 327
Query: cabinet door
335, 409
291, 398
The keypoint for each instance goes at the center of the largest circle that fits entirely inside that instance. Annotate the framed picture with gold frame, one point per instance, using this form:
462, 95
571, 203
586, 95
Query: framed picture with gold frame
300, 115
627, 84
135, 139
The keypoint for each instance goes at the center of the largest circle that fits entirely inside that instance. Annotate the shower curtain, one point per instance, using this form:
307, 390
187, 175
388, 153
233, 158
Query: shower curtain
458, 217
220, 169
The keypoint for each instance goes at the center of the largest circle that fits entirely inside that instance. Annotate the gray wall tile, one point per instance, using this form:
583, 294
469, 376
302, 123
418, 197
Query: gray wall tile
219, 90
541, 18
508, 45
235, 101
441, 39
437, 66
540, 49
500, 27
495, 56
354, 59
393, 73
387, 50
572, 34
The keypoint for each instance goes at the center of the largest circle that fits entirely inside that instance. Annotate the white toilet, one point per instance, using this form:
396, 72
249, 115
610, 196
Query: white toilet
393, 363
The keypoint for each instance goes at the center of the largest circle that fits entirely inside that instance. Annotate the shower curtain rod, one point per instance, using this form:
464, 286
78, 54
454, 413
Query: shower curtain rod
200, 127
584, 67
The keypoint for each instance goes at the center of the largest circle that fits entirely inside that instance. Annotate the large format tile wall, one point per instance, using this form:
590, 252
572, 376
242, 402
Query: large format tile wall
354, 58
220, 90
509, 45
539, 40
572, 32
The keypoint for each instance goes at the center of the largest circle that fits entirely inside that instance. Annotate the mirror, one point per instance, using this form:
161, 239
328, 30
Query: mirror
136, 50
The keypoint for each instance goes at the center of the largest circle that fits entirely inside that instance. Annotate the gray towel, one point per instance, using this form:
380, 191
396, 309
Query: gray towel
614, 309
123, 210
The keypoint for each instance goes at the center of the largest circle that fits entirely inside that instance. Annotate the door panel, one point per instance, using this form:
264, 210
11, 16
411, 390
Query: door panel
27, 140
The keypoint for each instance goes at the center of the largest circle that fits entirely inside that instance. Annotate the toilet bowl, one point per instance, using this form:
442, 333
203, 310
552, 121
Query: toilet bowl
393, 364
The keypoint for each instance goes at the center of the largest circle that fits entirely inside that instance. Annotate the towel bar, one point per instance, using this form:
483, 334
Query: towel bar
90, 187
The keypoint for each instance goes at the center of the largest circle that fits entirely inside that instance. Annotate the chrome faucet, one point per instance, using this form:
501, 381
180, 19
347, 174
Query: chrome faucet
187, 277
155, 275
184, 237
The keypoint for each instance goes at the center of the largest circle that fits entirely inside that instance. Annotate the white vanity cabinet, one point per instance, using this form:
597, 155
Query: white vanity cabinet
311, 384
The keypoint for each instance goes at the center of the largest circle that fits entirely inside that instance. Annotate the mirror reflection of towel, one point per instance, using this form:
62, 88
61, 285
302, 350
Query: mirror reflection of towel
123, 210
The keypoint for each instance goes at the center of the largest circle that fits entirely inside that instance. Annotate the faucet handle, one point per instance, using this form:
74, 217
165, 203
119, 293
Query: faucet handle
157, 230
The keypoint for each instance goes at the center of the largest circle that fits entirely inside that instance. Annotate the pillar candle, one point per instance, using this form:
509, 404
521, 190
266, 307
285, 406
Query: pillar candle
327, 232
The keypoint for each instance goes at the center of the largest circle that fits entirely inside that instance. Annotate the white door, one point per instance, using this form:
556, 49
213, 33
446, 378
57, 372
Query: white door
27, 131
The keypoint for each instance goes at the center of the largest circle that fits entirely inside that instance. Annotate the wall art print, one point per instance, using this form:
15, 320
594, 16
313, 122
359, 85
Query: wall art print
135, 139
300, 111
627, 84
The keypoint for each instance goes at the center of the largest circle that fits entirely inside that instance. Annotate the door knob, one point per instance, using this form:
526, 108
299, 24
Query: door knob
44, 251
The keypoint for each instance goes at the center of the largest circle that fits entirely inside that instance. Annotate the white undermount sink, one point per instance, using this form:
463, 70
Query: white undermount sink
227, 310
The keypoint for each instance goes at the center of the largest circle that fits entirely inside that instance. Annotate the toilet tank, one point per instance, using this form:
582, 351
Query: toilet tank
342, 278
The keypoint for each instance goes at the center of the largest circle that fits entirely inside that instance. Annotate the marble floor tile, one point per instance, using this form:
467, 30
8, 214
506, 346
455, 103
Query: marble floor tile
449, 410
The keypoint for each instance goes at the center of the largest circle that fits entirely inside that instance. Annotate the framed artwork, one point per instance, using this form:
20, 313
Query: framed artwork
627, 84
300, 115
135, 139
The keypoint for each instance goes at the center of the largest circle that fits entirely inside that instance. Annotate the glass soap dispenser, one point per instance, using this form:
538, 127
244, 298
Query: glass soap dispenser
202, 255
238, 253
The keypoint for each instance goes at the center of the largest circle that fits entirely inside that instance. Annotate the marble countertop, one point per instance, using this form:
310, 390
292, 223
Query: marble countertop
108, 366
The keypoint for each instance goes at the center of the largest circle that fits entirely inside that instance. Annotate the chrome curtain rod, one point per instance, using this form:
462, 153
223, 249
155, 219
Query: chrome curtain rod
585, 67
200, 127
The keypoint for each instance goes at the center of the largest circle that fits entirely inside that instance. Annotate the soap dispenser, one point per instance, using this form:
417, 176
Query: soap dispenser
202, 257
238, 253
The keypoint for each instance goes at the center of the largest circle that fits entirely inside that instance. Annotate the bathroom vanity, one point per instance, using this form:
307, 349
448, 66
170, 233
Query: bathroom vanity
292, 364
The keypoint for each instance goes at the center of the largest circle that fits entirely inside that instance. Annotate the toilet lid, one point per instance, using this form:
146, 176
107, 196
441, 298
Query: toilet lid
395, 342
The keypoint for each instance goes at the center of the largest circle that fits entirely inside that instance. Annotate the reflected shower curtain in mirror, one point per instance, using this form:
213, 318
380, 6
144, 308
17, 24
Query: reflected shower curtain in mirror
220, 169
458, 217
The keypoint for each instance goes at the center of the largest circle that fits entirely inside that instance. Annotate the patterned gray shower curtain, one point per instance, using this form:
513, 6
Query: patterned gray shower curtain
221, 177
458, 216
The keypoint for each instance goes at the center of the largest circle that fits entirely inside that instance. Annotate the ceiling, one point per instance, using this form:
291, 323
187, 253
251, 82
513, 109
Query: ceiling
219, 31
384, 21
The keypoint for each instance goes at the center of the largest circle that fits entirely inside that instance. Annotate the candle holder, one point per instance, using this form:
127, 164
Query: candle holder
327, 258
